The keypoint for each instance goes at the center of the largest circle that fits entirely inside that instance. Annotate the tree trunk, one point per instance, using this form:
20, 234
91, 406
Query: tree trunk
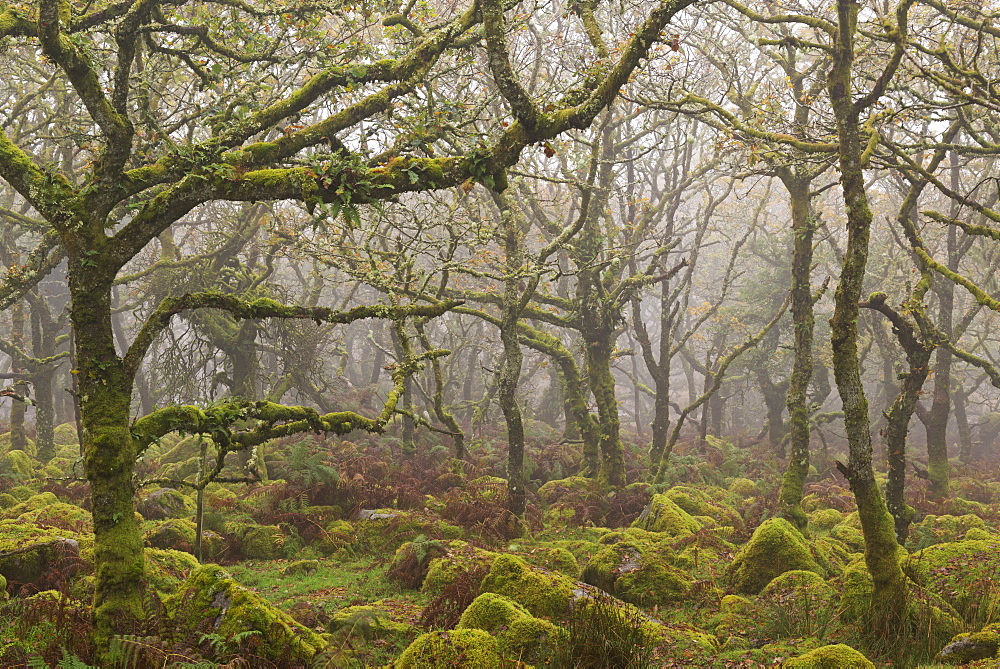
889, 593
964, 430
18, 437
803, 325
109, 457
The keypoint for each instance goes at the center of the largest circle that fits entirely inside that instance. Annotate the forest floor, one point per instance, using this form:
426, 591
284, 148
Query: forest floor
353, 554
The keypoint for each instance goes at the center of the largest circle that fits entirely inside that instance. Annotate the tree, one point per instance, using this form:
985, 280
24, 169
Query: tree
179, 105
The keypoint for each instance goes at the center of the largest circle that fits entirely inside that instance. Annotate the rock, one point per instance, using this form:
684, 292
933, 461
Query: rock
774, 548
31, 563
965, 648
637, 572
460, 559
543, 593
456, 649
165, 503
520, 636
367, 622
176, 534
19, 464
167, 569
839, 656
375, 514
210, 599
412, 561
663, 515
301, 567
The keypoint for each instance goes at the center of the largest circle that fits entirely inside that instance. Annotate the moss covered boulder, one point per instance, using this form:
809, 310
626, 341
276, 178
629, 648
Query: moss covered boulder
166, 503
366, 622
167, 569
176, 534
663, 515
460, 559
707, 501
961, 572
637, 572
211, 599
388, 529
774, 548
519, 635
31, 564
259, 542
19, 464
543, 593
456, 649
965, 648
839, 656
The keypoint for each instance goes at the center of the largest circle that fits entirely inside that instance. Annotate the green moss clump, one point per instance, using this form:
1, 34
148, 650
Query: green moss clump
663, 515
210, 594
958, 572
339, 535
19, 464
176, 534
166, 569
263, 542
22, 492
775, 547
839, 656
555, 558
464, 648
7, 500
166, 503
943, 529
824, 520
710, 502
544, 594
638, 573
390, 528
520, 636
459, 559
744, 489
367, 621
301, 567
554, 491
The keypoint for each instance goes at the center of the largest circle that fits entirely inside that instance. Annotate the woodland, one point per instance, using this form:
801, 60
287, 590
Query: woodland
499, 334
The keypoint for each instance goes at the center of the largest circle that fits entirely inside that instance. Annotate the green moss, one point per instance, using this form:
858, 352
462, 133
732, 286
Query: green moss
554, 491
961, 572
263, 542
942, 529
22, 492
390, 532
176, 534
824, 520
210, 594
774, 548
544, 594
459, 559
838, 656
338, 535
366, 621
663, 515
965, 648
464, 648
301, 567
19, 464
165, 570
520, 635
710, 502
555, 558
744, 489
637, 572
7, 500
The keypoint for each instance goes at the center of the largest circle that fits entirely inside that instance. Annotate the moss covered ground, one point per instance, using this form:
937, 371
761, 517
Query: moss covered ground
412, 565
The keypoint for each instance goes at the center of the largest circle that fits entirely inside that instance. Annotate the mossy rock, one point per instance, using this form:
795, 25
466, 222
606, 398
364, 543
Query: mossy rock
555, 491
824, 520
57, 515
22, 492
838, 656
456, 649
388, 529
8, 501
412, 561
832, 555
744, 489
554, 558
774, 548
166, 503
958, 572
981, 534
965, 648
663, 515
710, 502
520, 636
460, 558
29, 564
176, 534
211, 599
263, 542
19, 464
637, 572
65, 435
167, 569
337, 535
943, 529
301, 568
366, 622
543, 593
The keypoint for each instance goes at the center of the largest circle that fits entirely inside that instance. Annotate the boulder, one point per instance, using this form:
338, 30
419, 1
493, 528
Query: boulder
165, 503
519, 635
456, 649
839, 656
774, 548
211, 599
